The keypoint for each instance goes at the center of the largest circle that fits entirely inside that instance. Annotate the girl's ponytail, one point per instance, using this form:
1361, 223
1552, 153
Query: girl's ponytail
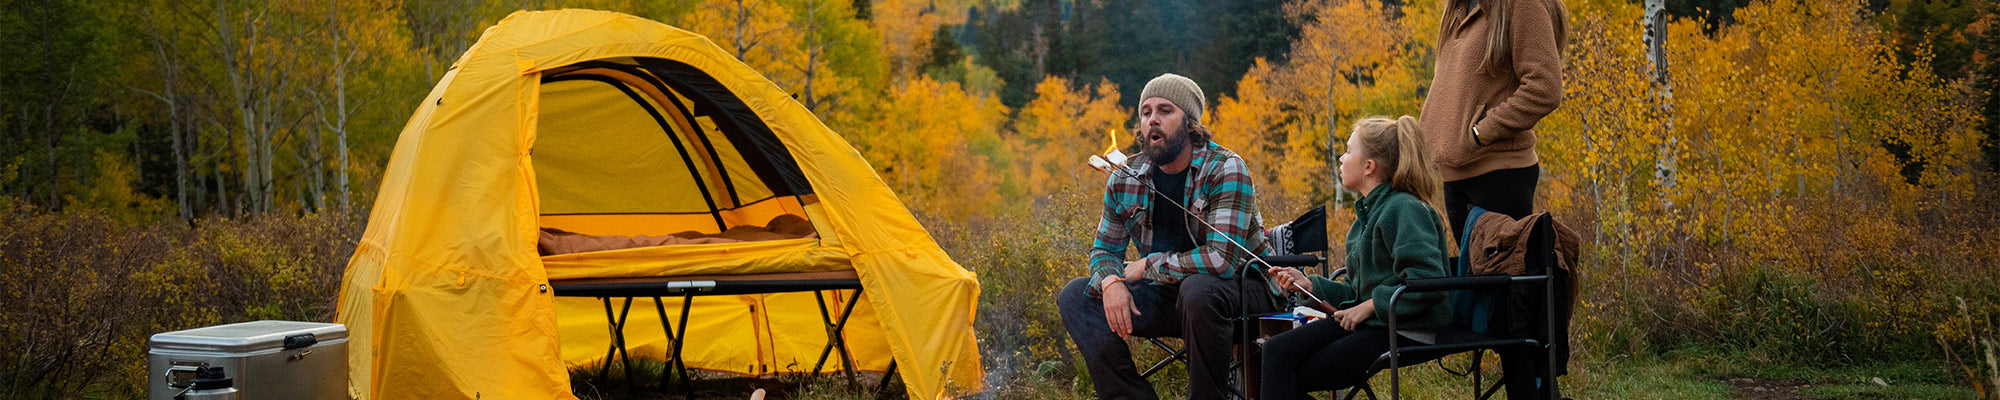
1399, 146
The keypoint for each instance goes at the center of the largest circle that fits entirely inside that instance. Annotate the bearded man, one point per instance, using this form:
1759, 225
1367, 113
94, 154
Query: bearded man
1186, 204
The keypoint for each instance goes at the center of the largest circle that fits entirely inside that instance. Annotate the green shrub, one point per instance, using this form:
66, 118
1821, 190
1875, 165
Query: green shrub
85, 291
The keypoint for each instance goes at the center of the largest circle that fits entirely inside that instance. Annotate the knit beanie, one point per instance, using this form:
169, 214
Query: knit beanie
1178, 90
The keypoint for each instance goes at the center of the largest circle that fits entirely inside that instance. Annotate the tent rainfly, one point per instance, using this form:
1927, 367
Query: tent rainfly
609, 125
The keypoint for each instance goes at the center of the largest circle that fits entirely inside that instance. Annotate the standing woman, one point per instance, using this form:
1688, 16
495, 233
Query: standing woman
1499, 71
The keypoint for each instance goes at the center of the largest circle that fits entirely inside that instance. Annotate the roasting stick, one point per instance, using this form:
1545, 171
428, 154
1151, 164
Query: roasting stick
1118, 167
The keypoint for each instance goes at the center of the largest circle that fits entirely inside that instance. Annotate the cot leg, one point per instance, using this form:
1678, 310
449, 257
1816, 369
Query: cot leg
883, 387
835, 335
820, 296
680, 364
611, 322
666, 326
840, 335
618, 336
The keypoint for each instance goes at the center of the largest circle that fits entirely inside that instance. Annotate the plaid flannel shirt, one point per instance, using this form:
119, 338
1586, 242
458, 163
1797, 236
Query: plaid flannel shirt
1220, 190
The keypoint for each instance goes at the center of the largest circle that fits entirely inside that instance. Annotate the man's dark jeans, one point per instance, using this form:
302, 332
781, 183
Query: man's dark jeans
1198, 310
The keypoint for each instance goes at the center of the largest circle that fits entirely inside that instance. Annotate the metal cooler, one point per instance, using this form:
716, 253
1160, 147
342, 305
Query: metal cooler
265, 359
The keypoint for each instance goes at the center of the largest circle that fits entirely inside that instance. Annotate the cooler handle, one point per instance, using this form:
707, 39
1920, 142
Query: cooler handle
300, 341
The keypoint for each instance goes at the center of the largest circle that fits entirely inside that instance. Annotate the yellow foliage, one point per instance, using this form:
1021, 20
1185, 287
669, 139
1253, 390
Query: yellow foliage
111, 192
1061, 127
936, 145
759, 32
1248, 124
1353, 58
907, 26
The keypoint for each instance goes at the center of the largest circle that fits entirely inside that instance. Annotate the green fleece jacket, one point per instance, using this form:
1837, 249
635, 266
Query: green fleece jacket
1395, 237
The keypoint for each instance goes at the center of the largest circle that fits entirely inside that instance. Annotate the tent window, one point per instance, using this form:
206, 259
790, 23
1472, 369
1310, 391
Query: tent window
737, 122
662, 122
655, 148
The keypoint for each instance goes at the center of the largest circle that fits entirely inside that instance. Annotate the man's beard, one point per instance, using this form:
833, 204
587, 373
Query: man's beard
1168, 150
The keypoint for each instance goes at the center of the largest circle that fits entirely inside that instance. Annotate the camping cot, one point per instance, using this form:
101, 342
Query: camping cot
579, 124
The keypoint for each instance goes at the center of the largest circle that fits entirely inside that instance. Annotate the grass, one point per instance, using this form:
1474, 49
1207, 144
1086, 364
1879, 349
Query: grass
1697, 374
1871, 391
645, 384
1715, 376
1590, 378
1899, 380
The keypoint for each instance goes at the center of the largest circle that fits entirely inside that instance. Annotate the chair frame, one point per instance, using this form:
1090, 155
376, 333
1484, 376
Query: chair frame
1542, 244
1243, 326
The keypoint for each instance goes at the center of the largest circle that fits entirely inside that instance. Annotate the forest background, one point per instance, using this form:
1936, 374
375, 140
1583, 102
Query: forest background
1805, 184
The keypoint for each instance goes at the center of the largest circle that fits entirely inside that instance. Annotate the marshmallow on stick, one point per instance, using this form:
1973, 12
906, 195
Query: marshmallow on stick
1112, 158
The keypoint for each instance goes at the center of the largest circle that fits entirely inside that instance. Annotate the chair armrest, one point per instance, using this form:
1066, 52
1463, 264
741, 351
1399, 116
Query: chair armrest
1467, 282
1294, 260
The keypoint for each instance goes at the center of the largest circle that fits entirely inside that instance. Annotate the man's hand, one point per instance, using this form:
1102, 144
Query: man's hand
1352, 317
1135, 269
1118, 308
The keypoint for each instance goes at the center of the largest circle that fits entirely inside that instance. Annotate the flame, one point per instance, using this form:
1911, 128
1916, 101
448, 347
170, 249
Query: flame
1111, 157
1112, 135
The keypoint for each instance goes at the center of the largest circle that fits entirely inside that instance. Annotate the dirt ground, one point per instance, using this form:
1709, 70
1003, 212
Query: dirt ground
1770, 389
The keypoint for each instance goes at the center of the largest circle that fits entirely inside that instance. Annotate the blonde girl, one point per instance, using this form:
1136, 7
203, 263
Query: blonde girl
1398, 234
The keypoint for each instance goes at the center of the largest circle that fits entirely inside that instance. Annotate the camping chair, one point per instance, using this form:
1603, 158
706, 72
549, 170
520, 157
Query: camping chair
1473, 302
1243, 326
1289, 242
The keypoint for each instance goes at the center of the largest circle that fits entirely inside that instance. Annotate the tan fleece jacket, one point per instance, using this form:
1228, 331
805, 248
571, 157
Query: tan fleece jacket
1504, 105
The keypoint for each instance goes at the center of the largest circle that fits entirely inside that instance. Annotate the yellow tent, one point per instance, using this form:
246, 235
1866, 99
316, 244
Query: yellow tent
607, 124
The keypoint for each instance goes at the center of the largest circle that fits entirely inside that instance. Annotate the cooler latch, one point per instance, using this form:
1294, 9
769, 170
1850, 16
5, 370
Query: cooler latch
300, 341
181, 373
